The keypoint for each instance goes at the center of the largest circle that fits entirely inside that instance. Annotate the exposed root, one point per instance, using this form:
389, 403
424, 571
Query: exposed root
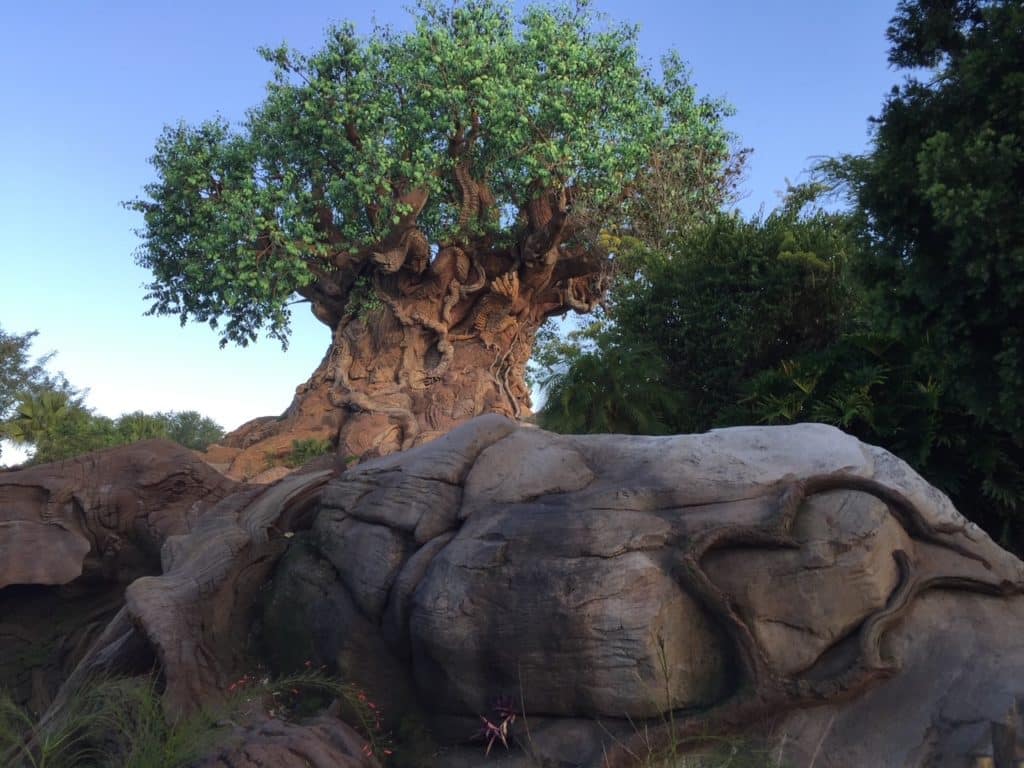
500, 369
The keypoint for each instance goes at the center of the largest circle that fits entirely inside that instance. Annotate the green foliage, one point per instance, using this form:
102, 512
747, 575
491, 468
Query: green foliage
759, 322
57, 425
362, 299
191, 429
18, 372
352, 138
937, 202
120, 722
188, 428
938, 198
902, 323
619, 387
729, 300
44, 411
66, 747
20, 375
875, 387
304, 451
135, 426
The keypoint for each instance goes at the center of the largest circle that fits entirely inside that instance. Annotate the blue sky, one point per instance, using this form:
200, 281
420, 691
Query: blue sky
86, 86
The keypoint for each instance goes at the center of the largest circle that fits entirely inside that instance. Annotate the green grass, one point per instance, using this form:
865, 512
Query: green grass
302, 452
120, 723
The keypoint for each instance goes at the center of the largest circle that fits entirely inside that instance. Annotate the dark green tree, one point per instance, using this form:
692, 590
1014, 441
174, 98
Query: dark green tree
879, 389
22, 375
434, 196
56, 425
937, 202
188, 428
720, 305
938, 199
135, 426
613, 385
193, 430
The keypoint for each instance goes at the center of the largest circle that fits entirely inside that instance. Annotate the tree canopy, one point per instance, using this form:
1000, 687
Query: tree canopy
57, 425
938, 199
45, 413
19, 373
473, 129
727, 301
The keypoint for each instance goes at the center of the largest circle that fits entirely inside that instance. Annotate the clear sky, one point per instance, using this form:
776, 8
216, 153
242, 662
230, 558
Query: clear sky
86, 86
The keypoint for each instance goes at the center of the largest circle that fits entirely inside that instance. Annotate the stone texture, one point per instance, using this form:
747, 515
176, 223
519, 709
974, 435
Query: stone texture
72, 535
786, 584
961, 667
105, 513
842, 572
322, 743
523, 602
529, 463
367, 557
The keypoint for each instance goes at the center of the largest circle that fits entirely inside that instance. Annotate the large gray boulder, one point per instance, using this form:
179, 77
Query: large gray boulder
785, 575
789, 586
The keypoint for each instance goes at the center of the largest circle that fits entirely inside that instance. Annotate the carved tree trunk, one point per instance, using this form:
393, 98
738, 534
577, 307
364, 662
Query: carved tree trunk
424, 344
426, 337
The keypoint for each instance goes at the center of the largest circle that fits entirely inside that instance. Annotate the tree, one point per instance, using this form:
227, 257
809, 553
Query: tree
21, 375
614, 387
135, 426
433, 195
937, 202
722, 304
193, 430
57, 425
873, 385
188, 428
938, 199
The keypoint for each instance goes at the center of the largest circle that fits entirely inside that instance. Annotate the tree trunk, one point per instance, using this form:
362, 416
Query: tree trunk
413, 354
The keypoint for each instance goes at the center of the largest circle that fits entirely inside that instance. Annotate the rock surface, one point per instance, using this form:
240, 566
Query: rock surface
322, 743
73, 535
104, 514
788, 585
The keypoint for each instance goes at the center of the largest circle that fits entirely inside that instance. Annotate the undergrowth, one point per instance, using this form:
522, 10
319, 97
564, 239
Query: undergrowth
120, 723
302, 452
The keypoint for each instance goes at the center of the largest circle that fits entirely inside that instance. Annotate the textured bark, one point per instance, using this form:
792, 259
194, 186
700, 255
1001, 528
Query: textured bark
424, 340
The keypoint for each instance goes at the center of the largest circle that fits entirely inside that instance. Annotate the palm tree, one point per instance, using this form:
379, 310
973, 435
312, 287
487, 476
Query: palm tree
38, 416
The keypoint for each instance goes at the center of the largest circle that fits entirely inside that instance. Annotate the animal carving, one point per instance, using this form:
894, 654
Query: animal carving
493, 316
412, 251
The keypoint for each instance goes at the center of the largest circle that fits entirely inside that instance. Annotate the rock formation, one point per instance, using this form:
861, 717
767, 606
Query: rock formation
73, 535
617, 595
